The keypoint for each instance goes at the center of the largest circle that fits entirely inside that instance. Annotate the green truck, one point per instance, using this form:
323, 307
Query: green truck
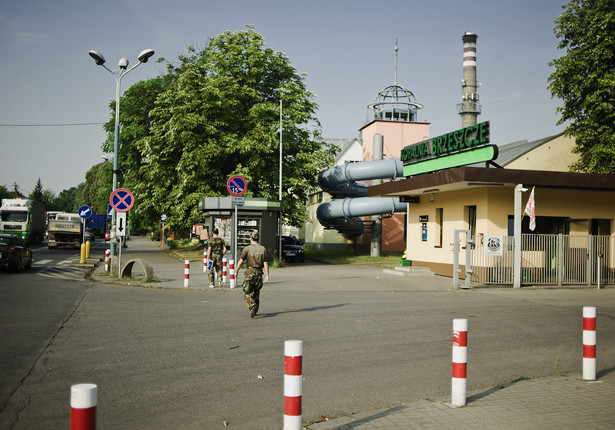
23, 217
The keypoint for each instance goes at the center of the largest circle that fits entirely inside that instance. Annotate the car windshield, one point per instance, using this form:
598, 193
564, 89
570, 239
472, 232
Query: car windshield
290, 240
12, 216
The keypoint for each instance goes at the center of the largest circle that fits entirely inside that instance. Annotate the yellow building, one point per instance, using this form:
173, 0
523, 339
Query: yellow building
574, 237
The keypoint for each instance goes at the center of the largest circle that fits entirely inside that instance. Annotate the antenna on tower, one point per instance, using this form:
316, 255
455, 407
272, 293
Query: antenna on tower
396, 49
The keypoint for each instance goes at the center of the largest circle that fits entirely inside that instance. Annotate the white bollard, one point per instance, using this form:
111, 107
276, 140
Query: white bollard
589, 343
107, 258
224, 272
204, 259
293, 384
186, 273
460, 360
231, 269
83, 401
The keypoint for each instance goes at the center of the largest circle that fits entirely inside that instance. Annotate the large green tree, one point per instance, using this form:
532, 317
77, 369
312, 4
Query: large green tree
584, 78
97, 187
215, 114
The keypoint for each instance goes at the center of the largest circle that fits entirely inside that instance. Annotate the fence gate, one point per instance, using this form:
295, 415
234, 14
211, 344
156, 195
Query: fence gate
547, 259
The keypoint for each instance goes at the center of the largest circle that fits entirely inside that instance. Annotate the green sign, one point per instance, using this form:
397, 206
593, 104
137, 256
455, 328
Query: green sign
483, 153
448, 150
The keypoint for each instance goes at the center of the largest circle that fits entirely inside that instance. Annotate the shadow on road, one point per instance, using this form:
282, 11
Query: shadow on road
315, 308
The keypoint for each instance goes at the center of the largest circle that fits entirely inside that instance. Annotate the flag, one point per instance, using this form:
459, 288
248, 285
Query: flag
530, 209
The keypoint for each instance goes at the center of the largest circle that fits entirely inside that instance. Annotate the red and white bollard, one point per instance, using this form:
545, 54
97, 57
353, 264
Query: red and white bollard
293, 384
186, 273
107, 258
204, 259
589, 343
83, 401
460, 360
224, 270
231, 269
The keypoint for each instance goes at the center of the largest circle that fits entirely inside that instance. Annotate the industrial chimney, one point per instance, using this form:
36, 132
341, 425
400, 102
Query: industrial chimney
469, 108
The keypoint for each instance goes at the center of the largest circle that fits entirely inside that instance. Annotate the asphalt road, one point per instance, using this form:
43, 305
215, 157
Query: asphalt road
193, 359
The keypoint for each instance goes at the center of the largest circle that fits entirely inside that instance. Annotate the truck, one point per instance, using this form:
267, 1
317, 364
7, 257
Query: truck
98, 224
23, 217
65, 229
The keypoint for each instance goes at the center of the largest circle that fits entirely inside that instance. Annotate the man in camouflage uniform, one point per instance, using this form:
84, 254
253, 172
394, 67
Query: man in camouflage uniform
255, 257
215, 250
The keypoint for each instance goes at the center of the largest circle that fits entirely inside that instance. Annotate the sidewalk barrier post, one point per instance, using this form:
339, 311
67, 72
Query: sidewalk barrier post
293, 384
204, 259
231, 268
107, 256
589, 343
83, 401
224, 271
82, 255
186, 273
460, 360
87, 249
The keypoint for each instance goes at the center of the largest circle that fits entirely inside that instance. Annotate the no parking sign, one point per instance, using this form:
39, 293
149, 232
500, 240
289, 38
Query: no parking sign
122, 200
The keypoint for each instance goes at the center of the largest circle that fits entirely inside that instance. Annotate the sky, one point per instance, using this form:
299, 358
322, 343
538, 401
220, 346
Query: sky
54, 99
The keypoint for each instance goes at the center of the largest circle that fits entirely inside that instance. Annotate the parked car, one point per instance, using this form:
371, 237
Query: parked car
292, 249
15, 253
89, 235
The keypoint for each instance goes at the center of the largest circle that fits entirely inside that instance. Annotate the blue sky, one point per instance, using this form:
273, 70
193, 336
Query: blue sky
344, 47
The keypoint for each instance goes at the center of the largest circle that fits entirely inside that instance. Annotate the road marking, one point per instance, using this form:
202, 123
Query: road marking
42, 262
67, 273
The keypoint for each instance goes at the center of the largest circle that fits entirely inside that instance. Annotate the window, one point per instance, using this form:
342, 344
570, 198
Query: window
471, 219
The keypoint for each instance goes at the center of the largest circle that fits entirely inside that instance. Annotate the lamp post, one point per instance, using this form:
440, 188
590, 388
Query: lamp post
280, 189
118, 75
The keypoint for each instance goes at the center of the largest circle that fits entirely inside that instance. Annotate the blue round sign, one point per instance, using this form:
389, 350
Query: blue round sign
237, 185
85, 212
122, 200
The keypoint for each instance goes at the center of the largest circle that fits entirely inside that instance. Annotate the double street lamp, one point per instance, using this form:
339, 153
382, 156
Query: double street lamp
118, 74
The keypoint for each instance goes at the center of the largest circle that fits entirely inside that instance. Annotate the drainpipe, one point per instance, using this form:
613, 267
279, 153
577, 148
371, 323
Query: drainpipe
517, 227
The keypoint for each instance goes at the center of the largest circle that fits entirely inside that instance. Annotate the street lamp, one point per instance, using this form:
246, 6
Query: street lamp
118, 74
280, 187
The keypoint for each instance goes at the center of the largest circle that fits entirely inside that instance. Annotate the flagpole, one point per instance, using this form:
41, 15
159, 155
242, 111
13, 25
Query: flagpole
517, 232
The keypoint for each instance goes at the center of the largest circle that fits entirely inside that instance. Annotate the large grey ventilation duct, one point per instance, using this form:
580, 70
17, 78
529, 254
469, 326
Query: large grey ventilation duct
340, 181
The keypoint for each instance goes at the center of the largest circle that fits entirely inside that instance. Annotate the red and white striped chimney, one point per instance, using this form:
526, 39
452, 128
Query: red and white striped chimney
469, 108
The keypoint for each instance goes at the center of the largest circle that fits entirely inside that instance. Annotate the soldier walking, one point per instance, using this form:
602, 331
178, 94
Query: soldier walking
255, 257
216, 250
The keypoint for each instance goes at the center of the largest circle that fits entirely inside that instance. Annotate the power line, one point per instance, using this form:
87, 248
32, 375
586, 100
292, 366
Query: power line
77, 124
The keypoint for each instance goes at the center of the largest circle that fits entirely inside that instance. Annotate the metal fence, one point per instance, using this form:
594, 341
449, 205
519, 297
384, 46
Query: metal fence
547, 259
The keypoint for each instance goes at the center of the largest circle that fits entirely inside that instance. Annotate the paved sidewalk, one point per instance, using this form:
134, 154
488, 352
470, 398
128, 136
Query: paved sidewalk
557, 402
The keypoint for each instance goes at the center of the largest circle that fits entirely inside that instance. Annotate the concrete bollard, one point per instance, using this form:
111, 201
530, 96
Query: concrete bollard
293, 384
107, 258
186, 273
231, 269
204, 259
224, 270
589, 343
460, 360
83, 402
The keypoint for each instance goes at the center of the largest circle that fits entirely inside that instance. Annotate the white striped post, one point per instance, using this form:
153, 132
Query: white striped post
460, 360
293, 384
107, 257
83, 401
589, 343
224, 270
231, 269
204, 259
186, 273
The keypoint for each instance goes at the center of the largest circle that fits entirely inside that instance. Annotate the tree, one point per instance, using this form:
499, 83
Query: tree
5, 193
69, 200
214, 115
584, 78
97, 187
37, 193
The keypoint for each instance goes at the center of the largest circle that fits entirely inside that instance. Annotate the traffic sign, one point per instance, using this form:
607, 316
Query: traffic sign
163, 218
239, 201
85, 212
237, 185
120, 224
122, 200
